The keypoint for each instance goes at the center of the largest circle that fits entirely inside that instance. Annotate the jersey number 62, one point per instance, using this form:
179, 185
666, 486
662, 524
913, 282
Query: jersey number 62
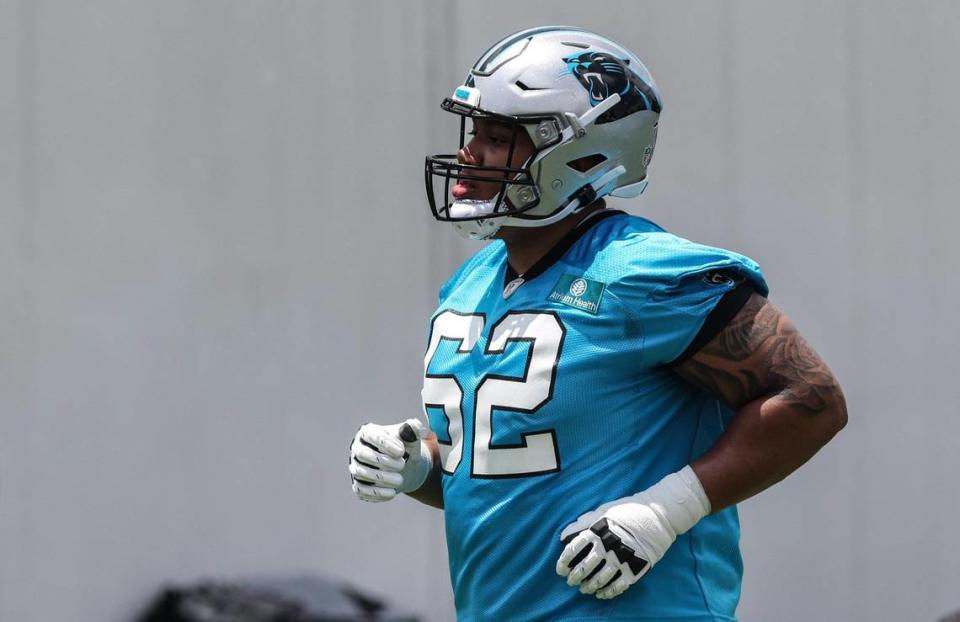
537, 453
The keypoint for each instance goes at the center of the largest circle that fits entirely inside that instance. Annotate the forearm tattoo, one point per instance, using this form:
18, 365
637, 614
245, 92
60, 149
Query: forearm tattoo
761, 353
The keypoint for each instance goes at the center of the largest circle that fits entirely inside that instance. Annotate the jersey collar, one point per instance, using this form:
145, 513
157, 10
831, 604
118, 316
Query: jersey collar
558, 250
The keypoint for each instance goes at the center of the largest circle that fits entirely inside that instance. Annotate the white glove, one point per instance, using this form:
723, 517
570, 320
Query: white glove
389, 459
609, 549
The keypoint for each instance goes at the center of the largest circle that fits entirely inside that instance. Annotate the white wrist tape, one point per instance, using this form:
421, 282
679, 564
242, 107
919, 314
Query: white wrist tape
651, 520
680, 499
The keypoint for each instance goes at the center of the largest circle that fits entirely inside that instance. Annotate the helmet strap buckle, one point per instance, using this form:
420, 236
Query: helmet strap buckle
584, 196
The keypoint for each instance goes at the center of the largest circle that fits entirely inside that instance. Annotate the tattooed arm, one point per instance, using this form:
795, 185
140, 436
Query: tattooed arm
788, 403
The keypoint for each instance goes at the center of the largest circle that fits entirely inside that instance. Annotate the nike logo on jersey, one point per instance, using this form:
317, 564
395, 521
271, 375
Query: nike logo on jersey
512, 286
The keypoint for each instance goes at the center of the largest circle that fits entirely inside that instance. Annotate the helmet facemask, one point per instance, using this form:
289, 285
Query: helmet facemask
518, 187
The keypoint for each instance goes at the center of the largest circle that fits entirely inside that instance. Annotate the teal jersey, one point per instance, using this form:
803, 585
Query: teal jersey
552, 393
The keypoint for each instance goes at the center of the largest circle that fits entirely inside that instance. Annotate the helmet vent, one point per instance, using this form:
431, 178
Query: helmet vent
586, 163
523, 87
582, 46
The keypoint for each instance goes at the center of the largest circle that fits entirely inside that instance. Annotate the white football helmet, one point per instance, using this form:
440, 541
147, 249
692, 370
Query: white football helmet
581, 98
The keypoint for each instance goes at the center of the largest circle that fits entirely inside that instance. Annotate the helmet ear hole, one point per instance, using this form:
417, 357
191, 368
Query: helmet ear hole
584, 164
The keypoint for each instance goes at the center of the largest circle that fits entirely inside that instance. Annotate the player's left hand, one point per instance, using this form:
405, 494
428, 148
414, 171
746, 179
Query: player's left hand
608, 549
604, 558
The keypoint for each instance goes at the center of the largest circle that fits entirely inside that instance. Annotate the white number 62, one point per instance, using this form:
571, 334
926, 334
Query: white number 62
537, 452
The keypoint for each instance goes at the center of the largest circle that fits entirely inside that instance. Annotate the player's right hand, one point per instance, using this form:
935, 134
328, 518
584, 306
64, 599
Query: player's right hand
389, 459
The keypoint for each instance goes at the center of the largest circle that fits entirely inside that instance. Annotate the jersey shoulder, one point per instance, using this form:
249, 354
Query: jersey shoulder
490, 257
668, 287
641, 260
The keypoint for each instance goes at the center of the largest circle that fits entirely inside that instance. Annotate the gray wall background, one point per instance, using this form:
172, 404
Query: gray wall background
216, 262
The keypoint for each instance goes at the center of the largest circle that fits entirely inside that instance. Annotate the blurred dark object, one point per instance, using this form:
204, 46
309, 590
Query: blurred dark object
303, 598
218, 602
952, 617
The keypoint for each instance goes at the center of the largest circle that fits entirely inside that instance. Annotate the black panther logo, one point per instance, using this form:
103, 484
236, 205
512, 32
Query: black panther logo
603, 74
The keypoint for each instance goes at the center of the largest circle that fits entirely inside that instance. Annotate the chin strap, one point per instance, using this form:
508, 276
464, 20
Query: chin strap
580, 199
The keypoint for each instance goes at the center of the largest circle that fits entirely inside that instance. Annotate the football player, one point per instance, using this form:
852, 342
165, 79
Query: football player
601, 393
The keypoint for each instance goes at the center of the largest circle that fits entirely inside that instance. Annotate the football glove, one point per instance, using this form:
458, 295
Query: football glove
609, 549
389, 459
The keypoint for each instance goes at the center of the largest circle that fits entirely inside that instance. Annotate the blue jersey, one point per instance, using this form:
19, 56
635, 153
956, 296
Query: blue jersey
551, 394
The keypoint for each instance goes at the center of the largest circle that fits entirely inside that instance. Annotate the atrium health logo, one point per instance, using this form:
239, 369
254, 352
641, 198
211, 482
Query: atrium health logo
578, 287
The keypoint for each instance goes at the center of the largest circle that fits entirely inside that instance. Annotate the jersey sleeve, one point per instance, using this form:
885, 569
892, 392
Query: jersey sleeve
679, 295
